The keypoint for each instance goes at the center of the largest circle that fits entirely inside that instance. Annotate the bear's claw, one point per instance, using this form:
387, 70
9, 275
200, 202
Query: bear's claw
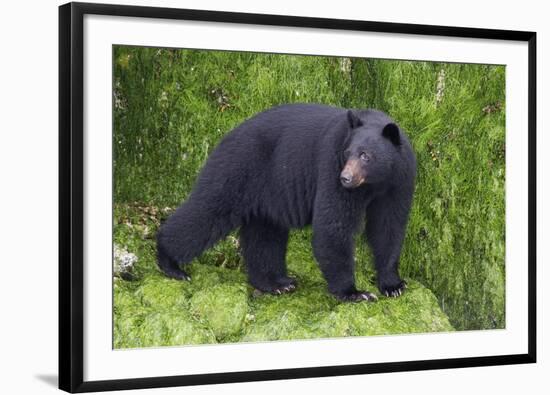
359, 296
394, 291
279, 290
284, 289
177, 274
288, 288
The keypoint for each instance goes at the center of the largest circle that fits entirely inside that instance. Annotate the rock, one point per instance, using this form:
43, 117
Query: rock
123, 262
217, 306
150, 328
223, 308
311, 315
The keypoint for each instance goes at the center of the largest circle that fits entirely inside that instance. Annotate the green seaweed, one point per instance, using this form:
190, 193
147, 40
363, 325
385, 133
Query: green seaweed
219, 306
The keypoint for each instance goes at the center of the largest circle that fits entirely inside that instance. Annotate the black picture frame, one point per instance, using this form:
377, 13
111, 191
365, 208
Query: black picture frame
71, 204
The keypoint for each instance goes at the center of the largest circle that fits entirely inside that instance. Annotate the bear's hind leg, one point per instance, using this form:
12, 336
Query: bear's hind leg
170, 267
264, 249
191, 229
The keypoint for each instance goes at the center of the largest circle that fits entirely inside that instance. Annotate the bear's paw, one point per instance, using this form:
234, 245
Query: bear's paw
394, 291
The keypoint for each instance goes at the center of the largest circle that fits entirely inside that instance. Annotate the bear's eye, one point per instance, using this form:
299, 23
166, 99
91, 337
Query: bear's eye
364, 156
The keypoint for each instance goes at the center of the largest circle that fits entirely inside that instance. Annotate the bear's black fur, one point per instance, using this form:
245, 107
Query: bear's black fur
292, 166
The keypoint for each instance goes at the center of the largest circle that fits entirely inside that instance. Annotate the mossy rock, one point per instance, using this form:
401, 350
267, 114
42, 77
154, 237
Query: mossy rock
315, 314
416, 311
159, 328
160, 292
222, 307
218, 306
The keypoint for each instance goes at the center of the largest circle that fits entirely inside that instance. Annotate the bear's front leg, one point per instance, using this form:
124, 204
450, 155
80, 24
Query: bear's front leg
333, 249
385, 231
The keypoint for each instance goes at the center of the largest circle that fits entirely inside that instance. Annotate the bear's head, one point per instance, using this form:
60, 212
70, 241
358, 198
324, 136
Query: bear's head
370, 148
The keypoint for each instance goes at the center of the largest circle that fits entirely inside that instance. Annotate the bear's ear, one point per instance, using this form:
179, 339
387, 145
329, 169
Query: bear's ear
391, 132
353, 120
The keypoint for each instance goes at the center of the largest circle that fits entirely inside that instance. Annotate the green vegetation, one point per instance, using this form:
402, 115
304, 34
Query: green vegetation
172, 107
218, 305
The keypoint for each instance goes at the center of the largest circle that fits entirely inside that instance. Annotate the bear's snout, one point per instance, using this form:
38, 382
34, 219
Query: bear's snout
351, 176
346, 178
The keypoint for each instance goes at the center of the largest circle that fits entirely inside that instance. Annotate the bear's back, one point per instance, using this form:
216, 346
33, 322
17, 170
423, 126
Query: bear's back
271, 161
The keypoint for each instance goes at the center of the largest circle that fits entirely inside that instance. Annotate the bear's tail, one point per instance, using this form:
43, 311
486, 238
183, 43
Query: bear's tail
190, 230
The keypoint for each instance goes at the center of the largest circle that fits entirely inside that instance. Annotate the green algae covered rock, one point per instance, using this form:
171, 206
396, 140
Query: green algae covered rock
315, 314
218, 306
160, 328
155, 314
416, 311
222, 308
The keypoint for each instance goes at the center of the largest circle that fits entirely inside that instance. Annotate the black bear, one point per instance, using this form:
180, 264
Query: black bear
295, 165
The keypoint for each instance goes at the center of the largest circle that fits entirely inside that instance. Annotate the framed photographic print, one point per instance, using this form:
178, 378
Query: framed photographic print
250, 197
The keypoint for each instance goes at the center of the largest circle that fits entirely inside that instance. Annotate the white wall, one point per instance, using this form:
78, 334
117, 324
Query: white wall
28, 196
